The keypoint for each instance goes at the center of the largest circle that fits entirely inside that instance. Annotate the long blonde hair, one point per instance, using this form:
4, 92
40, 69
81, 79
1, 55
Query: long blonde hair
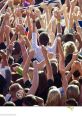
54, 97
69, 48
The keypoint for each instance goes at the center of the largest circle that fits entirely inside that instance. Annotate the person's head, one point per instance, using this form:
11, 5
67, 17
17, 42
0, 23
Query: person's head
54, 97
68, 37
71, 102
73, 92
10, 60
30, 100
76, 66
16, 91
41, 30
38, 25
9, 103
54, 67
69, 48
16, 49
43, 39
75, 82
2, 100
76, 74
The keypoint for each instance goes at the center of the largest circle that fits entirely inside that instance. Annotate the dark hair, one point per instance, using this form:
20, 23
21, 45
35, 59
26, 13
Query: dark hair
44, 39
68, 37
2, 100
71, 102
54, 68
9, 103
38, 25
10, 60
76, 73
41, 30
68, 59
30, 100
17, 48
42, 88
75, 82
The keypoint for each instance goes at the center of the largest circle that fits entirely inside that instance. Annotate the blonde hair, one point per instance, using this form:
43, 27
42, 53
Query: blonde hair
73, 92
69, 48
54, 97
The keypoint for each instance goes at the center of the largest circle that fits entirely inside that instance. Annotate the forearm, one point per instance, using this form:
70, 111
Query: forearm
4, 7
27, 42
64, 82
29, 27
24, 54
67, 2
59, 29
25, 70
35, 81
66, 19
49, 69
67, 68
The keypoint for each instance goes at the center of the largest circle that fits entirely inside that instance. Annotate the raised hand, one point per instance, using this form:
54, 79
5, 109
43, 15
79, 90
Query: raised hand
18, 12
57, 14
20, 29
73, 3
10, 3
33, 15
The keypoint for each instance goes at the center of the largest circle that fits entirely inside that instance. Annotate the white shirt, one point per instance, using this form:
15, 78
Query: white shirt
38, 51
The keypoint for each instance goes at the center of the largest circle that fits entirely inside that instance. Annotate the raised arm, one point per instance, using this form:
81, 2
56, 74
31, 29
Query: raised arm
23, 49
74, 57
57, 15
4, 7
48, 65
28, 22
35, 81
62, 66
26, 66
34, 33
72, 5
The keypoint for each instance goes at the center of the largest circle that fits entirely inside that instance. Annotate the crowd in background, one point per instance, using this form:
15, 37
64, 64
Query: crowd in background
40, 52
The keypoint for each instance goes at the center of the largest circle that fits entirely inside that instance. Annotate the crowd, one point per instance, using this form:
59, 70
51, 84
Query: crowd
40, 52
